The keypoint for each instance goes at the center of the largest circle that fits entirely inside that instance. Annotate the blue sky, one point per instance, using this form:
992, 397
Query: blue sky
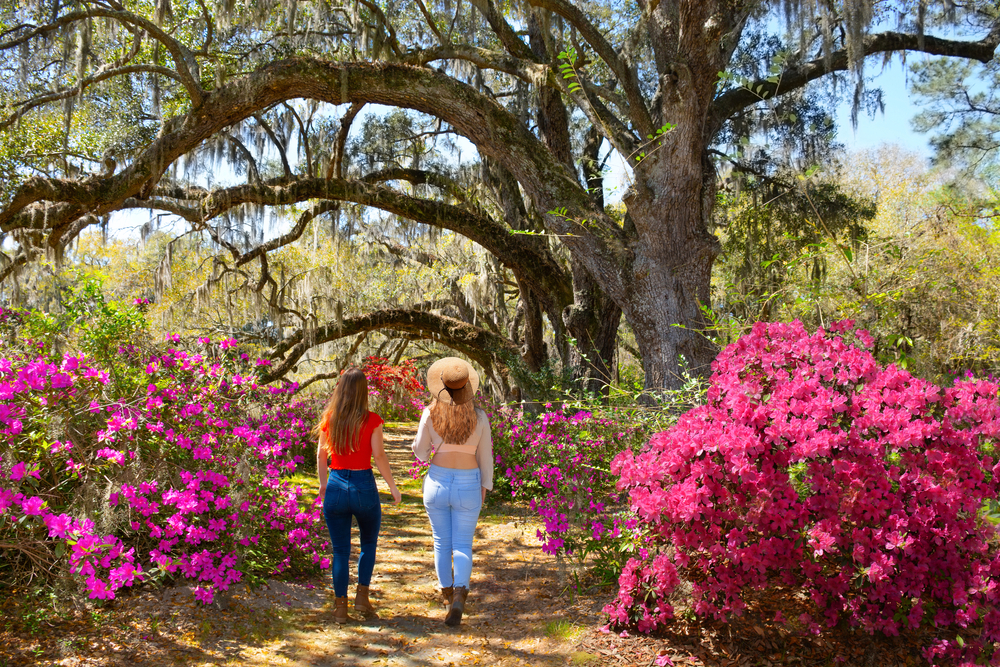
891, 127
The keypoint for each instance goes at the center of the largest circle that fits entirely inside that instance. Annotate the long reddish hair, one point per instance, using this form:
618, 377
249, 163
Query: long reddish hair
454, 423
345, 414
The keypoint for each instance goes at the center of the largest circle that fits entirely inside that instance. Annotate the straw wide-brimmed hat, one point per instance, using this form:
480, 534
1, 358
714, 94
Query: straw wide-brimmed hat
452, 380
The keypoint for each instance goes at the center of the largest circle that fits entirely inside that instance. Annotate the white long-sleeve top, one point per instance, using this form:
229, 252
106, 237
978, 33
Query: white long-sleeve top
479, 443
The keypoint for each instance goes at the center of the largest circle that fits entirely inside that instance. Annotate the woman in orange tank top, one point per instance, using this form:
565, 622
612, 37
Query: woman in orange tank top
349, 438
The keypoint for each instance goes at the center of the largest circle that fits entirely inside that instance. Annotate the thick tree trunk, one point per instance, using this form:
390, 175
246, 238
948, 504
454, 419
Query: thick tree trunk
671, 285
669, 276
668, 325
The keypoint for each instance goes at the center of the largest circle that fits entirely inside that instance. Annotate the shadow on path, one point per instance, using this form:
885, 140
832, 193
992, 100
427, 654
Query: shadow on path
514, 614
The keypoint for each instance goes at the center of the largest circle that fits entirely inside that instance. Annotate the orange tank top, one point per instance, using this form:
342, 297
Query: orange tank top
361, 457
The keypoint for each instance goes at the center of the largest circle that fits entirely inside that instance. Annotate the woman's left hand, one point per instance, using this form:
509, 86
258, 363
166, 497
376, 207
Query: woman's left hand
484, 494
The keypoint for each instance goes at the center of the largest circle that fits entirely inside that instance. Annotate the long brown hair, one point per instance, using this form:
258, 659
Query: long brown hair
454, 423
345, 414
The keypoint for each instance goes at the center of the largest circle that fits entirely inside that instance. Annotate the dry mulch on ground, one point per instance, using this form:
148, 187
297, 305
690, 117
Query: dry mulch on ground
520, 612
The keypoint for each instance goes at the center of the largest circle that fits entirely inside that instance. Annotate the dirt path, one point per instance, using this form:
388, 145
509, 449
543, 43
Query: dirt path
515, 613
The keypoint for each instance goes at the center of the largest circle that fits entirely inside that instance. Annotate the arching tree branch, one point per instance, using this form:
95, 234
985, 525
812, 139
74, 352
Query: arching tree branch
531, 262
419, 177
733, 101
525, 69
484, 347
493, 129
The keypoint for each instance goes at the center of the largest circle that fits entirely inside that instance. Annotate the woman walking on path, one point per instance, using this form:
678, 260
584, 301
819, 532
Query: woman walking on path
457, 434
350, 437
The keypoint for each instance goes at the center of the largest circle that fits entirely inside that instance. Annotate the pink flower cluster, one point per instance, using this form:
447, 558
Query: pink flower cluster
812, 466
194, 473
558, 463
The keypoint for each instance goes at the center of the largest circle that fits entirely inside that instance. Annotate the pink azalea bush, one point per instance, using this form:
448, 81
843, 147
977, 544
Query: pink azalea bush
186, 479
811, 466
559, 464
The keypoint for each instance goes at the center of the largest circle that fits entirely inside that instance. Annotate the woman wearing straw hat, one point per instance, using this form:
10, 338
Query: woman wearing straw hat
457, 435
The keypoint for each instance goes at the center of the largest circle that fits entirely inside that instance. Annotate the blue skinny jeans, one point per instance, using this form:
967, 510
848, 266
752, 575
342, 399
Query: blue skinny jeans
453, 499
352, 493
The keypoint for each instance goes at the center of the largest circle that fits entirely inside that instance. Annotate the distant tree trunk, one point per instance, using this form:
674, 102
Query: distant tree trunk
592, 314
593, 322
527, 330
534, 351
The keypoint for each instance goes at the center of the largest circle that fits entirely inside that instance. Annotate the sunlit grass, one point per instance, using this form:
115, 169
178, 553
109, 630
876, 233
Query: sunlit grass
310, 487
305, 480
562, 629
407, 426
407, 484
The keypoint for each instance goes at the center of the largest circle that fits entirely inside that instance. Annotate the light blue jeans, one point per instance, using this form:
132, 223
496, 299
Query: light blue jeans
453, 499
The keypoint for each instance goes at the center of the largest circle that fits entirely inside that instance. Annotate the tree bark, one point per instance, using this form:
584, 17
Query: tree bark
593, 322
671, 200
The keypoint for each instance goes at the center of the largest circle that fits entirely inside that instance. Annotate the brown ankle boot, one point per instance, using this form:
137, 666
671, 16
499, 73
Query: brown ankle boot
446, 595
454, 616
362, 604
340, 610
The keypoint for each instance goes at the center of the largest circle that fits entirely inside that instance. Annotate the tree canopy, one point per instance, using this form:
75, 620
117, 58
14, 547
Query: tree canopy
214, 112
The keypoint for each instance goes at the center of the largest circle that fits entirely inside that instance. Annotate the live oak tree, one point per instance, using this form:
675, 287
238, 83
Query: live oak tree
110, 105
